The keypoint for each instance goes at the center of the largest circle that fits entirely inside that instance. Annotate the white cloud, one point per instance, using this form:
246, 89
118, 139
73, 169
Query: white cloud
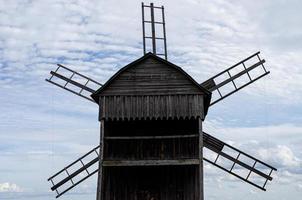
280, 155
10, 187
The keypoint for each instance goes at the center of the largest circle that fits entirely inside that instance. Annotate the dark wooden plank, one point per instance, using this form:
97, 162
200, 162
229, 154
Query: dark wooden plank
100, 185
150, 162
150, 137
200, 189
158, 107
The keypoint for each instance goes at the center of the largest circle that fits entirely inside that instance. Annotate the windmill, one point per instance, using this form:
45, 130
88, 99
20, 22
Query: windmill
151, 111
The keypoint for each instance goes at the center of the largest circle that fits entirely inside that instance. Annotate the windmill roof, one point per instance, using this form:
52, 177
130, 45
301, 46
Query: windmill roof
203, 90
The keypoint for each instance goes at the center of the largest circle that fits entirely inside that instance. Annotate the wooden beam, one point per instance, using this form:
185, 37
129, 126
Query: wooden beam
149, 137
100, 186
200, 132
153, 29
150, 162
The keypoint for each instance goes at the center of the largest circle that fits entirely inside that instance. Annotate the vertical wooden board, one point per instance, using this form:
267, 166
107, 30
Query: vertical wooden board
155, 106
100, 186
201, 193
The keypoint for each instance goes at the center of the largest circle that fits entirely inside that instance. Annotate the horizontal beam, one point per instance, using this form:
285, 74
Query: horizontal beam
150, 162
154, 22
149, 137
153, 7
157, 38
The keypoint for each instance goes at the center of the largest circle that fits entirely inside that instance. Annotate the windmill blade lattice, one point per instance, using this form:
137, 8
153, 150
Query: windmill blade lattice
257, 171
230, 76
75, 173
73, 82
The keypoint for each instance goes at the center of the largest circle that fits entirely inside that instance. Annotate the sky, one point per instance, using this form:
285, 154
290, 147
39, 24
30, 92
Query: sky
43, 128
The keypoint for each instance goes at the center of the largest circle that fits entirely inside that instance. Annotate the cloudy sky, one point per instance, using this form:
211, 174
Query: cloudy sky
43, 128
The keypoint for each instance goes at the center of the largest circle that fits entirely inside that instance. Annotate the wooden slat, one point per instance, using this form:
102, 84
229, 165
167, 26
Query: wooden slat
150, 162
155, 106
150, 137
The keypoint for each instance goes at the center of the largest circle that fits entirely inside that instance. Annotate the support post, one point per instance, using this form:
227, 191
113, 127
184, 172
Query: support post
201, 193
153, 29
143, 21
99, 193
164, 31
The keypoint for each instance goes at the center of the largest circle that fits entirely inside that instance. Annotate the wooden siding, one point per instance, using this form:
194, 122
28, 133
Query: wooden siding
153, 149
151, 107
151, 77
151, 160
151, 183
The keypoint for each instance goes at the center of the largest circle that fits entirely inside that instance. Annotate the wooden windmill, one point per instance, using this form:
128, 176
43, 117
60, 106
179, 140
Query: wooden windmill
151, 138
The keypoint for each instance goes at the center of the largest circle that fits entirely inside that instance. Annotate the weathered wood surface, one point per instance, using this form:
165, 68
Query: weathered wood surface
100, 185
151, 183
151, 128
160, 162
151, 107
148, 149
151, 88
151, 77
151, 140
200, 156
150, 162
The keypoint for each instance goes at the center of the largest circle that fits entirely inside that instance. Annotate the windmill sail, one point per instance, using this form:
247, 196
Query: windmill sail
87, 165
75, 173
73, 82
229, 78
257, 173
158, 38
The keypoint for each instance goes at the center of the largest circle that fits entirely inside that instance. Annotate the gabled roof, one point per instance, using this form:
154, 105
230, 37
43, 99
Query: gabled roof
207, 93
